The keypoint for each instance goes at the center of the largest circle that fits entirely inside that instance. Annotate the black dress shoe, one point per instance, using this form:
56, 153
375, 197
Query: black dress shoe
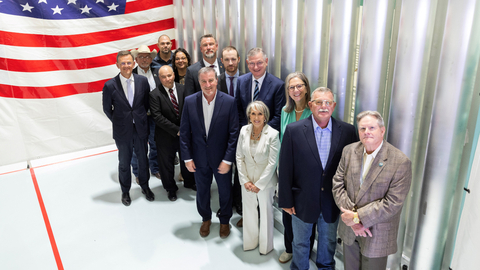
148, 194
238, 206
126, 199
218, 213
172, 195
193, 187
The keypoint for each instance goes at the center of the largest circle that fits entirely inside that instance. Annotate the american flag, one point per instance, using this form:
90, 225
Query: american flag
56, 48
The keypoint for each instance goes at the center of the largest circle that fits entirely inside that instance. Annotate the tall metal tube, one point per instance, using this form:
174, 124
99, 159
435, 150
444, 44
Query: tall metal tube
292, 30
189, 41
253, 22
223, 25
271, 29
238, 30
179, 34
199, 29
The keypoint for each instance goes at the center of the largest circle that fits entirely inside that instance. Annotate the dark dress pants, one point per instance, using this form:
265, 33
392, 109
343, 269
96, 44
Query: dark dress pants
125, 151
166, 152
236, 190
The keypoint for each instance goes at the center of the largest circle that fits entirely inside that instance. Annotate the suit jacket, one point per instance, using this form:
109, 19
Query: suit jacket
260, 169
221, 142
155, 75
222, 82
191, 78
167, 122
379, 199
119, 111
303, 183
272, 93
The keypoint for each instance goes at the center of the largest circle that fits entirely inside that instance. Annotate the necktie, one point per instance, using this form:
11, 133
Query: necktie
174, 101
231, 86
255, 93
130, 92
367, 163
212, 66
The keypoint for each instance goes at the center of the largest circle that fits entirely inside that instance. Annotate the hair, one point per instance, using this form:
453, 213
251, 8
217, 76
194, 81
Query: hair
205, 70
164, 36
322, 90
375, 114
290, 105
259, 106
230, 48
189, 59
254, 51
123, 53
207, 36
165, 66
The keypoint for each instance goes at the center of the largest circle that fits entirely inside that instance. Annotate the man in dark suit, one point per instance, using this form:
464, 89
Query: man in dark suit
260, 85
370, 186
166, 104
125, 102
309, 156
208, 47
208, 140
144, 57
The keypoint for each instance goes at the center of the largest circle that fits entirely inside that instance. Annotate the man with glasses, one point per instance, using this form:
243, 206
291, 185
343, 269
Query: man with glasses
164, 56
310, 153
260, 85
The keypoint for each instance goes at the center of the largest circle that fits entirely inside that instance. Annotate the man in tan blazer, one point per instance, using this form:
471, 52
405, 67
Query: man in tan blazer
370, 186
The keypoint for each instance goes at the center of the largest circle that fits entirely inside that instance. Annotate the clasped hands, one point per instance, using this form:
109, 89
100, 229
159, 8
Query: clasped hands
358, 229
249, 186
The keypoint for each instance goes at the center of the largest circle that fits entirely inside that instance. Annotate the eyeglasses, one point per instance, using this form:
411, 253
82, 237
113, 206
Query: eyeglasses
144, 57
327, 103
298, 86
258, 64
182, 58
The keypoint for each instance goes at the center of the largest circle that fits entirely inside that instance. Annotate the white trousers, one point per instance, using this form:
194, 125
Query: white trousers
257, 233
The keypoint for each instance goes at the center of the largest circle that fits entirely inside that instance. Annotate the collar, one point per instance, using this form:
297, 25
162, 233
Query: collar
124, 80
374, 154
208, 64
166, 88
234, 76
260, 80
315, 125
204, 100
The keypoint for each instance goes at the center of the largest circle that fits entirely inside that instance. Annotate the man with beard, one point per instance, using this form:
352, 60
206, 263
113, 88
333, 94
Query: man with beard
164, 56
208, 47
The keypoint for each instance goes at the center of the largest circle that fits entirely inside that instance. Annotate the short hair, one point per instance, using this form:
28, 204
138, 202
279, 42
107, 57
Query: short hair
207, 36
164, 36
254, 51
230, 48
323, 90
290, 105
205, 70
189, 59
259, 106
375, 114
123, 53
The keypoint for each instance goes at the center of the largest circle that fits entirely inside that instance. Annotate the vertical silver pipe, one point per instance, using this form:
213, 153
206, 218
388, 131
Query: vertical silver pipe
447, 135
313, 41
199, 30
253, 27
374, 50
189, 40
210, 16
271, 29
179, 33
292, 32
238, 30
406, 104
223, 25
342, 37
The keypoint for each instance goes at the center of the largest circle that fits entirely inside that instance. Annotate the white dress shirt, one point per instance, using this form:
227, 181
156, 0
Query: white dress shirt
369, 161
217, 69
149, 75
260, 82
174, 88
123, 80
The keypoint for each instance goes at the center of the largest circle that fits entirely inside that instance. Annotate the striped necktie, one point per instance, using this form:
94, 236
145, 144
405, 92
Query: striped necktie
174, 101
255, 93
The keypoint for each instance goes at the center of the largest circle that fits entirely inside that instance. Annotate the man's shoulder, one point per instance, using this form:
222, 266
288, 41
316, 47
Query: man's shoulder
195, 67
112, 81
396, 153
300, 123
342, 124
245, 77
274, 79
225, 96
140, 78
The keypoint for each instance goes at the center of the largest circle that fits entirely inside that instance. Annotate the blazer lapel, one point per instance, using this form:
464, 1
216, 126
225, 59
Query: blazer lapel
375, 169
265, 87
246, 146
119, 88
336, 135
167, 97
263, 139
312, 142
180, 95
200, 113
357, 169
216, 109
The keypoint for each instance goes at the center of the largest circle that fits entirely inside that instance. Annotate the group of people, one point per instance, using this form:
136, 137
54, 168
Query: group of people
256, 135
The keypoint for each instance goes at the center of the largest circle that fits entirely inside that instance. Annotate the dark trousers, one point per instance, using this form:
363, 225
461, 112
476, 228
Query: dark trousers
125, 151
288, 232
236, 190
203, 179
354, 260
152, 154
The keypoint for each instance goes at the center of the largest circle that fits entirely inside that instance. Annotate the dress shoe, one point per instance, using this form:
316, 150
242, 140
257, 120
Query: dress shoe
238, 206
157, 174
148, 194
126, 199
240, 223
224, 230
172, 195
205, 228
193, 187
218, 213
180, 177
176, 161
285, 257
136, 180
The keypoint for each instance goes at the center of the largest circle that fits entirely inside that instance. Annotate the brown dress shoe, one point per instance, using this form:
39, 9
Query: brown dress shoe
157, 175
224, 230
205, 228
240, 223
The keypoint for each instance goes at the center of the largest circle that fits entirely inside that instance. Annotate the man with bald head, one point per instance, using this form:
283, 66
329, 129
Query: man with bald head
166, 105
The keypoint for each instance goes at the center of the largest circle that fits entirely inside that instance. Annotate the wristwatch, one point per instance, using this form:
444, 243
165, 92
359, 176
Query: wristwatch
355, 215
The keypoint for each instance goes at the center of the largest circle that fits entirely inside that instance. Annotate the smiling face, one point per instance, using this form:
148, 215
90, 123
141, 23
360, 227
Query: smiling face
297, 90
208, 83
370, 133
144, 60
167, 78
125, 64
181, 60
257, 118
257, 65
322, 111
209, 48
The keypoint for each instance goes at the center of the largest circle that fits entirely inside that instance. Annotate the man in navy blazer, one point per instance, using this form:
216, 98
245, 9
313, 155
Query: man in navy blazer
125, 102
260, 85
208, 47
310, 153
208, 140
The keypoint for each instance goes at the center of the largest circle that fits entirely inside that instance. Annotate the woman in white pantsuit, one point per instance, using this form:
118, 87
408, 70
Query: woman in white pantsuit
257, 151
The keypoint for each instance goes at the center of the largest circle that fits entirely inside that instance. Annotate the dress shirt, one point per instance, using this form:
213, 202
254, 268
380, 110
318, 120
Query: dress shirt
149, 75
227, 80
367, 164
174, 88
123, 80
323, 136
260, 82
217, 69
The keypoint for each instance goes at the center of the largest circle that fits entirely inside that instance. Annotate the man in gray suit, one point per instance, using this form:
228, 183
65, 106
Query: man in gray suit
370, 186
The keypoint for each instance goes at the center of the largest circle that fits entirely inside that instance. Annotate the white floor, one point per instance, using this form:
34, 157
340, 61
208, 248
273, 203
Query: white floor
92, 229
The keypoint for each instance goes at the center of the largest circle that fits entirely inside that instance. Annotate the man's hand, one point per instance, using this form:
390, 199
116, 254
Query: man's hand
347, 217
359, 230
190, 166
223, 168
249, 186
291, 211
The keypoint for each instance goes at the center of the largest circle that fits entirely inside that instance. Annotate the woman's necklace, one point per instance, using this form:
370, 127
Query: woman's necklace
255, 137
299, 111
